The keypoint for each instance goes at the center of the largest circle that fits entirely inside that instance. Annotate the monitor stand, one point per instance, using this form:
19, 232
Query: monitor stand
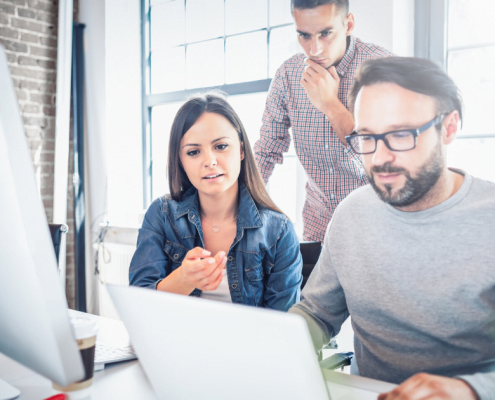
8, 392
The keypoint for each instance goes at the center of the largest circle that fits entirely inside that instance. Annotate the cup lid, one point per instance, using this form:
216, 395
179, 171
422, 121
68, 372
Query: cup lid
83, 328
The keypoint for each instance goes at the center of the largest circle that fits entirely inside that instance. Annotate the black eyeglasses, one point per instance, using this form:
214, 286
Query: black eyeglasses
402, 140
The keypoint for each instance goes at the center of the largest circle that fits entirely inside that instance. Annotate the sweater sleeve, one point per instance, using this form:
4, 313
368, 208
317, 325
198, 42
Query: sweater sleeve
323, 303
482, 383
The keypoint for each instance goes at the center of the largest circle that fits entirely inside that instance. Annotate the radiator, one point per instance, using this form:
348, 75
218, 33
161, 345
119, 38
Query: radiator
113, 264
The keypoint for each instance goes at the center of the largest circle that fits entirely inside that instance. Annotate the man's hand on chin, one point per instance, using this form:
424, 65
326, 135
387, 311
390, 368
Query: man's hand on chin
321, 85
432, 387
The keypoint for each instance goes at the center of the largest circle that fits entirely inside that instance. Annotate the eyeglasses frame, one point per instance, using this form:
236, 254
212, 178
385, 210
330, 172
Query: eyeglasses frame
415, 132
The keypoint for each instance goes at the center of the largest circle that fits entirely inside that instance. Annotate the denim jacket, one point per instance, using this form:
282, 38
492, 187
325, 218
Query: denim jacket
263, 264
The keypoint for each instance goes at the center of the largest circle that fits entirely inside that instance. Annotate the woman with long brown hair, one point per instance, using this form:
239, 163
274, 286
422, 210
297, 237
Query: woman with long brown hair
217, 235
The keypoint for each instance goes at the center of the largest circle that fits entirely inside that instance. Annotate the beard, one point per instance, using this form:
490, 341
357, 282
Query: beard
415, 188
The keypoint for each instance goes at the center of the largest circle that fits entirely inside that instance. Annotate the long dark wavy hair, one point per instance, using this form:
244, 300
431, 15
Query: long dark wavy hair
188, 114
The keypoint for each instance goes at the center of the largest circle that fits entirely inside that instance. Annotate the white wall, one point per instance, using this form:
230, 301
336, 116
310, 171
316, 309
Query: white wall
388, 23
123, 110
112, 121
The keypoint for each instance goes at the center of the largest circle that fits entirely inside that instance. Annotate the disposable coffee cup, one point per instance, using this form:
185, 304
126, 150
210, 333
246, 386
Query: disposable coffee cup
84, 331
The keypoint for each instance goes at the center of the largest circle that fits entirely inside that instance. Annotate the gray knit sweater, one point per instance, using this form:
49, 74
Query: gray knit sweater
420, 286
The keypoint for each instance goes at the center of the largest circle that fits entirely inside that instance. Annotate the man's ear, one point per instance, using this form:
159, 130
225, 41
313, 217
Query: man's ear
450, 127
350, 24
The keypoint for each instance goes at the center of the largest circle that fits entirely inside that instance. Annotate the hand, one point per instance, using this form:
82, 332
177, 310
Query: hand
321, 85
202, 273
425, 386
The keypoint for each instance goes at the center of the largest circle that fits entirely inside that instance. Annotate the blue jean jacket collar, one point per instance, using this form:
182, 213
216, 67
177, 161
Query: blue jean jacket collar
248, 216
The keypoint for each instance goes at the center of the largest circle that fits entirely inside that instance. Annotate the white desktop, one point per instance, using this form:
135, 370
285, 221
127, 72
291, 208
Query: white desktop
34, 324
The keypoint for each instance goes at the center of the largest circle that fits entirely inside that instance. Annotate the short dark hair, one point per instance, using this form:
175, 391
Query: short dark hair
342, 5
415, 74
213, 102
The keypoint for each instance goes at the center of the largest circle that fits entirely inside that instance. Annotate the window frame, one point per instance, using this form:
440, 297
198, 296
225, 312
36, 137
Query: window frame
431, 20
150, 100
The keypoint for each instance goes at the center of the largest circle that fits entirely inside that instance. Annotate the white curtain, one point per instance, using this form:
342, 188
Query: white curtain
92, 14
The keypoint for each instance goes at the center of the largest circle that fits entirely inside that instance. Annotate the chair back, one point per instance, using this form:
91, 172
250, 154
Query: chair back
310, 252
57, 230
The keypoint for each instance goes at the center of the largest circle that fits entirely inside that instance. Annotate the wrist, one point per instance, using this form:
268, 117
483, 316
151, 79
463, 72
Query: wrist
175, 283
333, 108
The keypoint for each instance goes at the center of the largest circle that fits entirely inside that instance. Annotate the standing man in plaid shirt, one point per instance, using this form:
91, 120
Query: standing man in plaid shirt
309, 95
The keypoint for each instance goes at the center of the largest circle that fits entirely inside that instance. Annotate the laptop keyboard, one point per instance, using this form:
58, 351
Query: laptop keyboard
105, 354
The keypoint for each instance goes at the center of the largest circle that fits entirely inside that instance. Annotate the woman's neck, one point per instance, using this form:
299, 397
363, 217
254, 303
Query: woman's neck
220, 207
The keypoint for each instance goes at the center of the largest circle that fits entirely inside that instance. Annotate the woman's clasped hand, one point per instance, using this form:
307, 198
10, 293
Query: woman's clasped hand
200, 270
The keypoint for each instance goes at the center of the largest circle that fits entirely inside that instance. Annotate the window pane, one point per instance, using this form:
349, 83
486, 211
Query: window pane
474, 156
471, 22
205, 64
246, 57
156, 2
283, 45
168, 25
161, 123
283, 188
168, 70
244, 16
472, 71
250, 109
280, 12
205, 20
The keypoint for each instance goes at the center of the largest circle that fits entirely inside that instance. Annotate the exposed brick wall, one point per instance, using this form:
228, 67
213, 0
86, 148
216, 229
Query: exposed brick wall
28, 32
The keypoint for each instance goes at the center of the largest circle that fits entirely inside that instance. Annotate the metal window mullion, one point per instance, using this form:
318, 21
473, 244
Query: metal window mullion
224, 42
185, 43
481, 136
268, 33
430, 33
231, 89
146, 111
472, 46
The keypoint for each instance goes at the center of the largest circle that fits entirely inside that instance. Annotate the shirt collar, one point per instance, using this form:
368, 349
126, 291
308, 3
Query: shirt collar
248, 213
345, 62
188, 203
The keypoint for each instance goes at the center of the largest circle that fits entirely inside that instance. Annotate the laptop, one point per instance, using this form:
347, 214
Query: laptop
196, 348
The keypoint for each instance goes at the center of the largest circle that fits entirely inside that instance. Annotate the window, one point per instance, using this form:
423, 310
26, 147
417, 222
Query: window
191, 46
471, 62
459, 36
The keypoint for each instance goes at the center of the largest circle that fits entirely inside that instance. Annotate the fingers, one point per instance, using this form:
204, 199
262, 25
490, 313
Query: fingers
214, 281
317, 68
333, 71
196, 253
418, 387
211, 277
204, 268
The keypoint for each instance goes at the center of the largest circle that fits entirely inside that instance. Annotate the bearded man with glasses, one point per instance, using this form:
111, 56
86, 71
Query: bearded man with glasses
411, 256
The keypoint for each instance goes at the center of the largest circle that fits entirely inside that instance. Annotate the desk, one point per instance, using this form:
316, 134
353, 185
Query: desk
127, 380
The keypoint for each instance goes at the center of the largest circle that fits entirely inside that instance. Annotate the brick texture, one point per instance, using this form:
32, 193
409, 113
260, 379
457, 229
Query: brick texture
28, 32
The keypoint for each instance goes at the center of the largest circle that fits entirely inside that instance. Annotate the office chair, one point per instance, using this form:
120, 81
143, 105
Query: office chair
58, 232
310, 252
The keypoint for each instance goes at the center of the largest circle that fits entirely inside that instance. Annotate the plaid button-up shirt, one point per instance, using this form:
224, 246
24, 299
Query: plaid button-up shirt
333, 170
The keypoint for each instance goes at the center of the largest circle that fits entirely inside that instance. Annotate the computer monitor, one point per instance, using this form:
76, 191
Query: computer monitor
34, 321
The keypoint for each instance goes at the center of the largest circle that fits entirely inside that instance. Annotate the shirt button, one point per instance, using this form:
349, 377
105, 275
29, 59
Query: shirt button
262, 274
234, 286
331, 170
332, 196
176, 256
230, 258
326, 146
